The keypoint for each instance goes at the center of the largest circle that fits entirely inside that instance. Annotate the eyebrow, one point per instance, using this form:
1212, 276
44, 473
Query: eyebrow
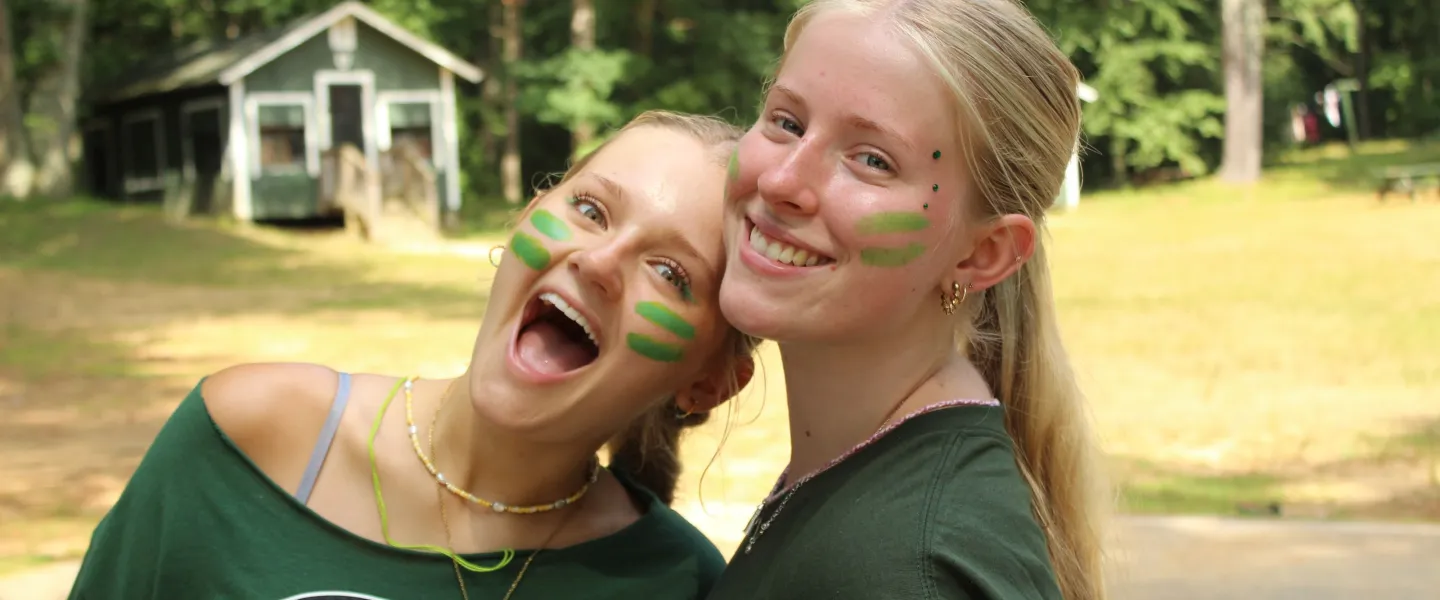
852, 120
668, 236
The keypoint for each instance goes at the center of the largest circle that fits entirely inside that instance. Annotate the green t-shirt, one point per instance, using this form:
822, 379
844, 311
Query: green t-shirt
936, 508
198, 520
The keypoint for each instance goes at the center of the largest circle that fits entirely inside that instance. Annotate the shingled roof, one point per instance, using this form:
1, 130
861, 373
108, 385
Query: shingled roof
226, 61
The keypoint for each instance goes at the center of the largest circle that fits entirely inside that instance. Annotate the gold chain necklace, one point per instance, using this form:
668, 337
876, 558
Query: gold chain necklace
445, 518
454, 489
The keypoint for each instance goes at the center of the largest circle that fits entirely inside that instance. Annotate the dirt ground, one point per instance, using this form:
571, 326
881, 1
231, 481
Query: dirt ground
1233, 359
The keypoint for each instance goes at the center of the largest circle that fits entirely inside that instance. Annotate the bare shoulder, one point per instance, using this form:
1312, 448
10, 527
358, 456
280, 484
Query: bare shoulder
272, 411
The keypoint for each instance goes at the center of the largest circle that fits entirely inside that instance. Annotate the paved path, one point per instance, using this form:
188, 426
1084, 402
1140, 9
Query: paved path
1179, 558
1184, 558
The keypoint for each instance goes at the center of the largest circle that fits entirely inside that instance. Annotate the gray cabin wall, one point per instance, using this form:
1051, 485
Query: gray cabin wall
395, 68
106, 124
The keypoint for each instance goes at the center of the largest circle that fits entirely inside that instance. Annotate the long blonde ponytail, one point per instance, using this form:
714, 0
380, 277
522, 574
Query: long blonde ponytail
1015, 93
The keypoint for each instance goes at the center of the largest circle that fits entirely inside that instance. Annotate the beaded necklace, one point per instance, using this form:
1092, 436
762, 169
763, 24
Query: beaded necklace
753, 533
458, 491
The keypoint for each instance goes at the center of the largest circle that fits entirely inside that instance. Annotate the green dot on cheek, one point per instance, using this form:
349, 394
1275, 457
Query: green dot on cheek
653, 349
530, 251
550, 225
891, 257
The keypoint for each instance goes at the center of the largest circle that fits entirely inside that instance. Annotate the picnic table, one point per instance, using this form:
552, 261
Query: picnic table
1409, 179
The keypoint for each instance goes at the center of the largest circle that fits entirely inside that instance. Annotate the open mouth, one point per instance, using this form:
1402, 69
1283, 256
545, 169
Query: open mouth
783, 253
554, 338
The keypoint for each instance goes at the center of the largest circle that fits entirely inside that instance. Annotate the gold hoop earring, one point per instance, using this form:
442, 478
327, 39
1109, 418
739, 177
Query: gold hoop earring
956, 297
495, 262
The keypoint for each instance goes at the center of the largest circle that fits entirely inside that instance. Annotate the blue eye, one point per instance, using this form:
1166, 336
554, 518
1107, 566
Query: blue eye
789, 125
674, 275
588, 208
875, 162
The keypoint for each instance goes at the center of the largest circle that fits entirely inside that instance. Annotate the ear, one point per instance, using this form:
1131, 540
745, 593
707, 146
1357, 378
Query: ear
717, 386
1001, 246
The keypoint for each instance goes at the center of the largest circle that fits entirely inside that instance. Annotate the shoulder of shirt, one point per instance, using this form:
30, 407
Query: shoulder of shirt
263, 406
978, 493
682, 533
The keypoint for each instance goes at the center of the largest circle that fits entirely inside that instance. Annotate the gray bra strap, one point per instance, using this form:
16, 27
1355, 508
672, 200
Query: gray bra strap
322, 445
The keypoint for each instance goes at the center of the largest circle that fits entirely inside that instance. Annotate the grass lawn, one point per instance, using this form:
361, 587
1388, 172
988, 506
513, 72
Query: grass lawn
1240, 348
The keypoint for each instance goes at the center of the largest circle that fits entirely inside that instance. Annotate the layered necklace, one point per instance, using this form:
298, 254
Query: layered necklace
458, 491
457, 562
753, 533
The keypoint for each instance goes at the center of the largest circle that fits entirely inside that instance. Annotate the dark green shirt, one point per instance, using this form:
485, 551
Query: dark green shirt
937, 508
198, 521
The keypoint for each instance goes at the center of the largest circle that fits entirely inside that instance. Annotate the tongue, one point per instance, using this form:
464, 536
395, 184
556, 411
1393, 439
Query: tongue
543, 347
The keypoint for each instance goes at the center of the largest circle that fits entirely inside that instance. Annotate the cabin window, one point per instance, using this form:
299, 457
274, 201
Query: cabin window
144, 156
282, 137
410, 125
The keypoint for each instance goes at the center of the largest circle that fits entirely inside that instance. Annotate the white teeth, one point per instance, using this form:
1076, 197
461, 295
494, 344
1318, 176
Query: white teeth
556, 301
781, 252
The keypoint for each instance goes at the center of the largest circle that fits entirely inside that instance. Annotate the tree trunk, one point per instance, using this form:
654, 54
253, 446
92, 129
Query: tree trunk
514, 44
57, 178
1362, 70
582, 38
1243, 46
495, 76
15, 163
644, 27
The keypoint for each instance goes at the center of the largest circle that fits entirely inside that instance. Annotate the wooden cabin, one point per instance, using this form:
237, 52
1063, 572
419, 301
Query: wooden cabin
341, 110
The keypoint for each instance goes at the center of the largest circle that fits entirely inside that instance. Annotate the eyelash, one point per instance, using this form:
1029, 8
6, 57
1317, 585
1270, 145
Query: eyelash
885, 166
682, 279
585, 199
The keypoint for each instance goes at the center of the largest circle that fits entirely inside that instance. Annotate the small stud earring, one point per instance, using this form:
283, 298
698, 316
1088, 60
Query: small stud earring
494, 260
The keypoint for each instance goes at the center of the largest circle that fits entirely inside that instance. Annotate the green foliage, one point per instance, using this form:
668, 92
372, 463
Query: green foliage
1155, 63
574, 87
1157, 72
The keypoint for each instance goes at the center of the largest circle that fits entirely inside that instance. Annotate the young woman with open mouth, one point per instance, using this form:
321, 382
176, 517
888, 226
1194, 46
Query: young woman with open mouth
883, 223
602, 326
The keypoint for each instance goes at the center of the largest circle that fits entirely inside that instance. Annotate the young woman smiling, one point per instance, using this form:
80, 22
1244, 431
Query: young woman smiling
884, 222
602, 326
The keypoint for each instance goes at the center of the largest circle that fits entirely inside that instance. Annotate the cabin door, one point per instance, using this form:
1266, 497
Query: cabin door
347, 119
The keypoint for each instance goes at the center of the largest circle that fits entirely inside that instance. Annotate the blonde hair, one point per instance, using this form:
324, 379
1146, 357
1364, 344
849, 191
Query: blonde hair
648, 449
1015, 96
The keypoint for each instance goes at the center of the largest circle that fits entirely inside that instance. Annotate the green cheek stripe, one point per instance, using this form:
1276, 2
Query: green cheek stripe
550, 225
656, 313
891, 257
891, 222
734, 168
530, 251
653, 349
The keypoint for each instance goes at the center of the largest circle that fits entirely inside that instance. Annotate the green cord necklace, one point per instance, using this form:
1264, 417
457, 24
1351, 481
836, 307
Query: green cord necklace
507, 554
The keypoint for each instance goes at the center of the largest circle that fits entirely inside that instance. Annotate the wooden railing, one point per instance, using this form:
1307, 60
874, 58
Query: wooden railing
398, 200
409, 184
347, 183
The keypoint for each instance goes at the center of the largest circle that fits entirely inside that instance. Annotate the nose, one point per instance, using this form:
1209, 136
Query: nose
598, 269
789, 186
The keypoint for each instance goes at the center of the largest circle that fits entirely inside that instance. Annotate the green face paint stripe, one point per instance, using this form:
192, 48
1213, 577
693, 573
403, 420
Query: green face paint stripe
891, 257
891, 222
550, 225
656, 313
653, 349
733, 169
530, 251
